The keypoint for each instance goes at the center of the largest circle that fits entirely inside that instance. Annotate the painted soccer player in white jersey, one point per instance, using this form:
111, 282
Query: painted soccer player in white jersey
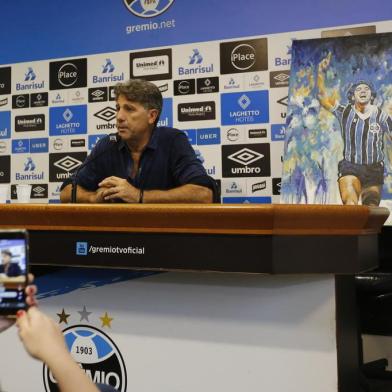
363, 125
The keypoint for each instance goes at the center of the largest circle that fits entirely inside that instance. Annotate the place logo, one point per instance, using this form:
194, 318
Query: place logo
208, 136
259, 186
276, 186
184, 87
278, 132
107, 74
4, 102
99, 94
77, 143
244, 56
38, 100
233, 134
5, 169
63, 165
20, 101
5, 80
257, 133
68, 120
246, 160
195, 65
148, 8
208, 85
5, 125
58, 144
106, 114
30, 81
244, 108
96, 354
151, 65
349, 31
279, 78
68, 74
32, 122
196, 111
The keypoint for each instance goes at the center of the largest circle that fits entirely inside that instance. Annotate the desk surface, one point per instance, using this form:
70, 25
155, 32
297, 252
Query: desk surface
228, 238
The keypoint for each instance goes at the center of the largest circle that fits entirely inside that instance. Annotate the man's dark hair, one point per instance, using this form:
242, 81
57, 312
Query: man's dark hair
6, 252
141, 91
353, 86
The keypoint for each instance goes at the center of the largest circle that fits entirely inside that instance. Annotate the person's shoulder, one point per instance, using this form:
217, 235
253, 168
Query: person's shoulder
169, 131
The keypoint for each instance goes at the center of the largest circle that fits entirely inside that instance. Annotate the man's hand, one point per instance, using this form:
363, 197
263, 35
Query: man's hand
324, 63
119, 188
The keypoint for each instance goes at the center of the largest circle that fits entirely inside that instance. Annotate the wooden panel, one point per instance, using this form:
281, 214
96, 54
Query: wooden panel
279, 219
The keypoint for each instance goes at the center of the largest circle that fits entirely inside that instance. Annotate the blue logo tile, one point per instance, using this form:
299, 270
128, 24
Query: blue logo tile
208, 136
191, 133
166, 117
5, 125
250, 107
242, 200
68, 120
93, 140
20, 146
39, 145
278, 132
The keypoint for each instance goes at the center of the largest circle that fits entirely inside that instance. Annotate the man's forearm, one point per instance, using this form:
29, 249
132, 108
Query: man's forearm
188, 193
82, 195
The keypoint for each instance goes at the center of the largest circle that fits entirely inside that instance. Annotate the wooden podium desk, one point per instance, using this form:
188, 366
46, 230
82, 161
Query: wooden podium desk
275, 239
295, 327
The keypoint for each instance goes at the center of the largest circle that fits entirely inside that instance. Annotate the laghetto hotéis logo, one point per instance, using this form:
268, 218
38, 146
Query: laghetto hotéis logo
148, 8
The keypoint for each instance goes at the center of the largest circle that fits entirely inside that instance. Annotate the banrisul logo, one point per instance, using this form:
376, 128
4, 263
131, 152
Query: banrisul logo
245, 108
196, 65
97, 355
108, 74
148, 8
30, 81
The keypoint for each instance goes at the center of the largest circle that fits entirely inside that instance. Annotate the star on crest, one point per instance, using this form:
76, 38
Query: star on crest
84, 314
106, 320
63, 317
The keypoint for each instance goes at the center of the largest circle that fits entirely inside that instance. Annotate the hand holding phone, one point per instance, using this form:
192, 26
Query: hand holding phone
14, 247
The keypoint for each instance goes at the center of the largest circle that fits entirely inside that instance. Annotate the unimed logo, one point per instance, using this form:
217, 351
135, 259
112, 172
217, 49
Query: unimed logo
151, 65
246, 160
68, 74
196, 111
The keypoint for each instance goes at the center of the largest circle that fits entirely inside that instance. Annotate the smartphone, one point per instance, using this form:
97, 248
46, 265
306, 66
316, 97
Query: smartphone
14, 254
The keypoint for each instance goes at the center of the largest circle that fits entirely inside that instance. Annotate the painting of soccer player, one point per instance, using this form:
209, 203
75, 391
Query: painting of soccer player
338, 124
361, 171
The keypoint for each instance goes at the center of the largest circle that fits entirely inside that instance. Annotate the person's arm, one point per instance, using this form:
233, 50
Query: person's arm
82, 195
119, 188
327, 101
43, 340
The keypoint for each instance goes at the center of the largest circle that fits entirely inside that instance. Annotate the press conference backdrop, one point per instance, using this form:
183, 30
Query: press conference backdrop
223, 71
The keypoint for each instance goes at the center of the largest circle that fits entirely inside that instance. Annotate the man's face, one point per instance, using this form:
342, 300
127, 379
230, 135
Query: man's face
362, 94
5, 258
133, 120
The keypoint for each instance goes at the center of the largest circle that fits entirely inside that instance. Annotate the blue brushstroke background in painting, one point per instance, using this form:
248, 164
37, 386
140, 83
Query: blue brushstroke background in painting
313, 143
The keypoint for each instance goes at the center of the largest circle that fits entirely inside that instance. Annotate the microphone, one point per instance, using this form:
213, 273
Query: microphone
114, 138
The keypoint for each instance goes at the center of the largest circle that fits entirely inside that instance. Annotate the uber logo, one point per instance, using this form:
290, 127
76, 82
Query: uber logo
64, 165
246, 160
5, 165
5, 80
68, 74
244, 56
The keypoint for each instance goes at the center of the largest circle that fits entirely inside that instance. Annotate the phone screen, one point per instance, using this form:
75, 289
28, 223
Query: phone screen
13, 270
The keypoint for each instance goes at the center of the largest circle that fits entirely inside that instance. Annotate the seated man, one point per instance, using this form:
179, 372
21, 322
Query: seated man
142, 163
7, 266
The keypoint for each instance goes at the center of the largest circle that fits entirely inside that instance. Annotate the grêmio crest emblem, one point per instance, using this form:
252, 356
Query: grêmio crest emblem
148, 8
